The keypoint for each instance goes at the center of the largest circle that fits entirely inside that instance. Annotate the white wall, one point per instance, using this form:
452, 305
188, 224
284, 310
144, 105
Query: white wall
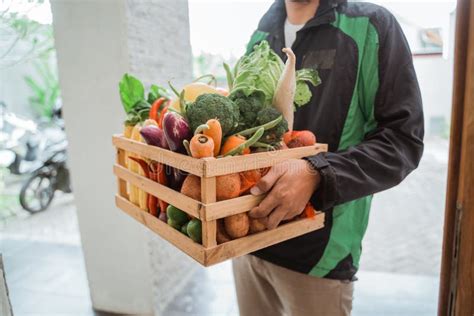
129, 269
91, 42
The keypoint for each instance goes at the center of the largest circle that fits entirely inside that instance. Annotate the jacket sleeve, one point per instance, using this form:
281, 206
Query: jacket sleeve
394, 148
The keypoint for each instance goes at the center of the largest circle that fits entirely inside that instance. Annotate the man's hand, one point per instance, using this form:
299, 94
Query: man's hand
291, 185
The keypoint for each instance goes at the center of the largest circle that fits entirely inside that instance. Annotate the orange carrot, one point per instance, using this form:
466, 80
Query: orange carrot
309, 211
248, 179
232, 142
213, 129
201, 146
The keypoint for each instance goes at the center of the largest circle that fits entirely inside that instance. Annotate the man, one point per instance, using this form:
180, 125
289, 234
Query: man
368, 109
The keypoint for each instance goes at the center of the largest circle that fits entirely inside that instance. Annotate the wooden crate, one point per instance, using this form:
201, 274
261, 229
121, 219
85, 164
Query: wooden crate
207, 210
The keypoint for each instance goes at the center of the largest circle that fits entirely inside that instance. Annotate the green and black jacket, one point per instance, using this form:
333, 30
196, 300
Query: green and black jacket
368, 109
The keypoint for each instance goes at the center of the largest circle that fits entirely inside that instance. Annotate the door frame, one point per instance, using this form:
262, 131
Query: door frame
456, 292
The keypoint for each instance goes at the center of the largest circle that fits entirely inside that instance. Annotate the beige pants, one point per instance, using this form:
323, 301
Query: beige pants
267, 289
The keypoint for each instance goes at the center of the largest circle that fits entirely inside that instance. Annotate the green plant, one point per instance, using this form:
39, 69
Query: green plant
24, 39
45, 90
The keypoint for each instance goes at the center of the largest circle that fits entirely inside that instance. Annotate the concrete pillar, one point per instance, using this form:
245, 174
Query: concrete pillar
97, 41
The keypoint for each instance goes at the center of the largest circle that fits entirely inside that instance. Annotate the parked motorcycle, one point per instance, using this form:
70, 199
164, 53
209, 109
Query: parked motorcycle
36, 150
38, 190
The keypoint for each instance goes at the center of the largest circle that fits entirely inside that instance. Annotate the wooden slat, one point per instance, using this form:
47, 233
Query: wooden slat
194, 250
251, 243
235, 164
181, 201
179, 161
209, 228
226, 208
122, 185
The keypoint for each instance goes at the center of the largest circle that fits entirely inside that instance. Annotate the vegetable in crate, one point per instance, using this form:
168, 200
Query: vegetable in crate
212, 129
296, 139
237, 225
194, 230
201, 146
176, 129
154, 136
221, 234
273, 135
178, 216
227, 187
191, 92
261, 70
285, 90
213, 106
248, 106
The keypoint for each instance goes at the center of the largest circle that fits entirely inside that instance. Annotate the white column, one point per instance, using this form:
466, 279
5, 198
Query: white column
97, 41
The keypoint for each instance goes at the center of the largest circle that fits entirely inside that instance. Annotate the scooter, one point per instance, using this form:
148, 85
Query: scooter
38, 190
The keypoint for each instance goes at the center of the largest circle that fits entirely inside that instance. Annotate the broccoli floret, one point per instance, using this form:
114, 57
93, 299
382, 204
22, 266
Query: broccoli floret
274, 135
248, 106
213, 106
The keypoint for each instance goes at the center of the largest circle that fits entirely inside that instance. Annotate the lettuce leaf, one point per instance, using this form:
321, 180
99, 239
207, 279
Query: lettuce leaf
260, 71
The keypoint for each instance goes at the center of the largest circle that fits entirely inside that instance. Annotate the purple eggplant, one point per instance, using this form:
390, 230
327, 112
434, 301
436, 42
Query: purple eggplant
176, 129
175, 177
163, 217
153, 135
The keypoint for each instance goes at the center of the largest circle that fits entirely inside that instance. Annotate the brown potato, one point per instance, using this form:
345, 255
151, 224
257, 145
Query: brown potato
192, 187
222, 235
257, 225
237, 225
227, 186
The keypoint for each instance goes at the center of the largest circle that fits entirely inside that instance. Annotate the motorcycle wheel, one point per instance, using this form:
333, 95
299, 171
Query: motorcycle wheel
37, 192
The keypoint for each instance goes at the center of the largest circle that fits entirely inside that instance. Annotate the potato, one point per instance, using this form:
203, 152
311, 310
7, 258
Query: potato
192, 187
227, 186
222, 235
237, 225
257, 225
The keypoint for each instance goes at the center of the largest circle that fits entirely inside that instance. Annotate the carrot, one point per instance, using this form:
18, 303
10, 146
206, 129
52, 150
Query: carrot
309, 211
232, 142
201, 146
248, 179
213, 129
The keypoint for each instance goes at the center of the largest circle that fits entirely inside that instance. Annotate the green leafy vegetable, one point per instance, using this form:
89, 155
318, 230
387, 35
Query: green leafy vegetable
258, 71
131, 91
156, 92
303, 93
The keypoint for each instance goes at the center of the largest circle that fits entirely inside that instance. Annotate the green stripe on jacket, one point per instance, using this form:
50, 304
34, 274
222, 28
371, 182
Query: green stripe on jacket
350, 219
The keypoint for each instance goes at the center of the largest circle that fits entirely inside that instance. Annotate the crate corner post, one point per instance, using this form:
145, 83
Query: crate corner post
208, 195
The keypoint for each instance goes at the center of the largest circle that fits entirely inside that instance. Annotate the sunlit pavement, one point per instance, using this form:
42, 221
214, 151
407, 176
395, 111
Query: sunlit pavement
399, 268
56, 284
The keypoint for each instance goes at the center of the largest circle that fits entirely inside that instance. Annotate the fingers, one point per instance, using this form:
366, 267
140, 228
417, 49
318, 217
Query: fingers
276, 217
266, 183
267, 205
292, 214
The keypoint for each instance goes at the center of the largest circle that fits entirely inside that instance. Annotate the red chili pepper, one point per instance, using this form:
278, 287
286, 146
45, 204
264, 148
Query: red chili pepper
162, 115
143, 164
155, 109
157, 172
